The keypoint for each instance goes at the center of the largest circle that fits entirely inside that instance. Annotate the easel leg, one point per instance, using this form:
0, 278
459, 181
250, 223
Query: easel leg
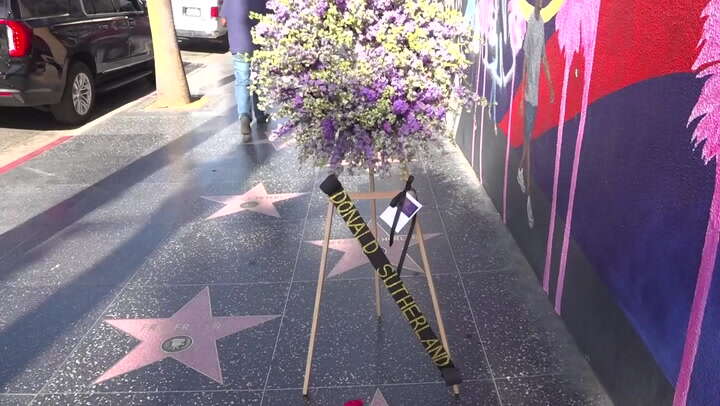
373, 205
433, 295
318, 296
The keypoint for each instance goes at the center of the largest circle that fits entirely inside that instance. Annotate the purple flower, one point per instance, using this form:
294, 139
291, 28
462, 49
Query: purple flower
400, 107
431, 95
328, 128
298, 101
369, 94
387, 127
338, 128
410, 126
321, 9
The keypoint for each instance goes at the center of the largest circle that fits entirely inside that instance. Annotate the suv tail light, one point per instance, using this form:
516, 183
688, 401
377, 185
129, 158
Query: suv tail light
19, 38
214, 12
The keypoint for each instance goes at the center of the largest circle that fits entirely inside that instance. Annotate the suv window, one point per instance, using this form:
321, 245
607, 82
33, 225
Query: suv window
99, 6
128, 5
44, 8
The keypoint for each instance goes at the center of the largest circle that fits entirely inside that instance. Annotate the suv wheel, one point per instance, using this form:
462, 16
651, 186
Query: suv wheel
78, 98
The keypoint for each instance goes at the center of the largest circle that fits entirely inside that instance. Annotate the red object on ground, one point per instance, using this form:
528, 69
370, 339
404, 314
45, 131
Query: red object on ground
356, 402
14, 164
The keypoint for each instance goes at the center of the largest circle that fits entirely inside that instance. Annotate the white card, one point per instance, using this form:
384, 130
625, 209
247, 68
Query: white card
409, 210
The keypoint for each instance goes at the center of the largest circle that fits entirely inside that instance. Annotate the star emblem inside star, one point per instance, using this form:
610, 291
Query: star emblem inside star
189, 336
256, 199
354, 257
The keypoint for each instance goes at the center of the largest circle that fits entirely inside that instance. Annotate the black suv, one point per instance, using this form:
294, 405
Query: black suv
60, 53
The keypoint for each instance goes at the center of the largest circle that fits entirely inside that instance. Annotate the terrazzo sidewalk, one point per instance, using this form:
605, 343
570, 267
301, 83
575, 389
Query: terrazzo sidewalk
160, 261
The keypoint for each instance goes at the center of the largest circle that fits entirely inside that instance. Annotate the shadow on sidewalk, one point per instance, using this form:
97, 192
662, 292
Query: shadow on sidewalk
31, 328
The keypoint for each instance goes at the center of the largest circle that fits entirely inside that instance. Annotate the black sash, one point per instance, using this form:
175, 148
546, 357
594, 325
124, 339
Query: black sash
395, 286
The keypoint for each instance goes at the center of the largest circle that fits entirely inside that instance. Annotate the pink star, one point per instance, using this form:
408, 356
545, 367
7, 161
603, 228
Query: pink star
378, 399
353, 256
188, 336
256, 199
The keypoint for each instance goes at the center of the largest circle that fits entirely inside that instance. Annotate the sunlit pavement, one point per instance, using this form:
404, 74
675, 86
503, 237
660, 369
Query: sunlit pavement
155, 259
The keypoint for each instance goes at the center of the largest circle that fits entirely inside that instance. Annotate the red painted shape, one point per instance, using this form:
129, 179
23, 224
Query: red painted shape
14, 164
637, 40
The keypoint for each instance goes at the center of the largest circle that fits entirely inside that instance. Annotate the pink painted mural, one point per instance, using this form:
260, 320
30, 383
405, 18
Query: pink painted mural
707, 137
617, 213
517, 27
576, 24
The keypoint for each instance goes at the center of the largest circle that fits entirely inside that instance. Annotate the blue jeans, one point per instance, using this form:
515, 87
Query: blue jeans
245, 101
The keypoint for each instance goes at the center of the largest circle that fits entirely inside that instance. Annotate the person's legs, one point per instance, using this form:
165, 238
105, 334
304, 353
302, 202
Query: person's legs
530, 114
242, 95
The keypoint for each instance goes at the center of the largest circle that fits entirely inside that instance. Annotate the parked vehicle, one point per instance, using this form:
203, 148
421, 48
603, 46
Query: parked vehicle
62, 53
198, 19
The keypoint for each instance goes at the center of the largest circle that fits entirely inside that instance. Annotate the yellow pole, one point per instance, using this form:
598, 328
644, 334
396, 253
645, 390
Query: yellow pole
172, 87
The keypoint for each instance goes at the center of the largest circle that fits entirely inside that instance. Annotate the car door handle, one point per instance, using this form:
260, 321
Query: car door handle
104, 26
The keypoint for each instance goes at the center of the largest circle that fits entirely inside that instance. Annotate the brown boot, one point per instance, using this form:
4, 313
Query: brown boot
245, 128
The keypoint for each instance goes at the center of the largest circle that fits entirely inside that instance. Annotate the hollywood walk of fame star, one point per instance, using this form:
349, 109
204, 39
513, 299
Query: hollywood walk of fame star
188, 336
353, 256
256, 199
378, 399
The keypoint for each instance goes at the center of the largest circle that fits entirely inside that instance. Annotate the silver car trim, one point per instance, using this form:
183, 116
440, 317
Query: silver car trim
133, 63
93, 20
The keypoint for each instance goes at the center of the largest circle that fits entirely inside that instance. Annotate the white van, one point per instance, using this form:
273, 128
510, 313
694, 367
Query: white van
198, 19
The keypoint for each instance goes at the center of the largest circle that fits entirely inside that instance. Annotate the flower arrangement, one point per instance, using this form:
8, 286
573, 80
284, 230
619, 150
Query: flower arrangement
361, 83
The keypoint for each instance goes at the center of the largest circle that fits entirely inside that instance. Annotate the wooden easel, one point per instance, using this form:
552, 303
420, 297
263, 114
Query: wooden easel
373, 196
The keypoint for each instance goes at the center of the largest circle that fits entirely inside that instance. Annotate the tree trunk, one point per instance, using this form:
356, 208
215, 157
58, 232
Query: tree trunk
172, 87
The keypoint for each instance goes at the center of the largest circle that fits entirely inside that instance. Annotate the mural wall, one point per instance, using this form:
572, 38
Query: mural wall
597, 138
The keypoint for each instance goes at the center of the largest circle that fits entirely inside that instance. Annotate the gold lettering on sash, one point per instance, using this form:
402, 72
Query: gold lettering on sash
437, 352
367, 231
339, 197
371, 247
442, 360
418, 322
420, 330
401, 289
428, 344
357, 228
405, 301
412, 312
344, 207
351, 216
385, 271
390, 284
